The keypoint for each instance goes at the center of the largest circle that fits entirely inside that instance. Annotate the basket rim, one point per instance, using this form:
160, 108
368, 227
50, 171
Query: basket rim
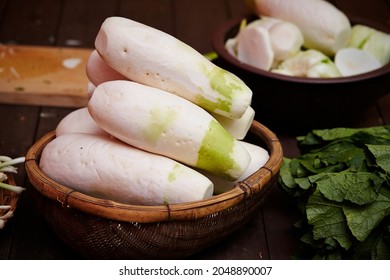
109, 209
12, 196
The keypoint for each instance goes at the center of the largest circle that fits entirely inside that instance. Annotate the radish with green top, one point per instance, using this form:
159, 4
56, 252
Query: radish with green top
259, 157
163, 123
324, 27
149, 56
107, 168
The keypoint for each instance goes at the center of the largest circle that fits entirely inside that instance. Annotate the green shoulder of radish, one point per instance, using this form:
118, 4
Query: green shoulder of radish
290, 37
154, 58
163, 123
259, 157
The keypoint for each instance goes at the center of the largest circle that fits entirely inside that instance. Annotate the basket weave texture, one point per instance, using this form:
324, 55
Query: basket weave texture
103, 229
9, 198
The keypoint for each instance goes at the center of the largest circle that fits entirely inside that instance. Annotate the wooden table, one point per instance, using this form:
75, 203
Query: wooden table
72, 23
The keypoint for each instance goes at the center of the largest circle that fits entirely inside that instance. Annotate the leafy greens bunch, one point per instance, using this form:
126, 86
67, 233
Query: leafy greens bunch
341, 182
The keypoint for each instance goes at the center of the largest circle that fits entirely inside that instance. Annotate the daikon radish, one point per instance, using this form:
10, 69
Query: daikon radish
79, 121
154, 58
231, 46
259, 157
286, 40
167, 124
310, 64
99, 72
90, 89
266, 22
254, 47
107, 168
238, 128
352, 61
324, 27
371, 40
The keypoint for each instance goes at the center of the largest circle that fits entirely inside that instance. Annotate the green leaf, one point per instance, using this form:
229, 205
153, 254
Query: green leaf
382, 156
359, 188
342, 185
334, 157
382, 250
328, 220
338, 133
286, 178
362, 220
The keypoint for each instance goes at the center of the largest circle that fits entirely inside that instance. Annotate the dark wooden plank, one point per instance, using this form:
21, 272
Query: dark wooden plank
280, 213
18, 129
384, 107
3, 8
31, 22
195, 23
237, 8
49, 118
16, 134
81, 20
33, 239
375, 9
159, 13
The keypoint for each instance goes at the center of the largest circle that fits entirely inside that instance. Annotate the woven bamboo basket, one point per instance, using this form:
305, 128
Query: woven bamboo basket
103, 229
8, 198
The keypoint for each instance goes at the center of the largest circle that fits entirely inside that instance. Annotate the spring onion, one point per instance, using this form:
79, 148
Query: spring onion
7, 166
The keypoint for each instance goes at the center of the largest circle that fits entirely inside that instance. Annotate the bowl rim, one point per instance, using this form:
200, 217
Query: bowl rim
219, 38
109, 209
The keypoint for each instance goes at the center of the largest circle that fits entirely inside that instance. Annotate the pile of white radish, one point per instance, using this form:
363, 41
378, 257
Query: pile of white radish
308, 38
163, 124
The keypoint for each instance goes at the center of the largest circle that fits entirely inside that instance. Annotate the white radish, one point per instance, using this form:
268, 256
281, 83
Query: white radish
167, 124
99, 72
266, 22
152, 57
324, 27
107, 168
238, 128
79, 121
310, 64
371, 40
352, 61
90, 89
286, 40
231, 46
259, 157
254, 47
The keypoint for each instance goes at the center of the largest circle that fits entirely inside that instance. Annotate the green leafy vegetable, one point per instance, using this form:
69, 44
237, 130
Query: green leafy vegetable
342, 184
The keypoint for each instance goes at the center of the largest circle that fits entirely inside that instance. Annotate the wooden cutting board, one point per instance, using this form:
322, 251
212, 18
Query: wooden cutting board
45, 76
